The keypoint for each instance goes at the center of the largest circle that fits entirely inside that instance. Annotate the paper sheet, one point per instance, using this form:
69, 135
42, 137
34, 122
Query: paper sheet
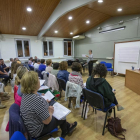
48, 96
60, 111
43, 88
83, 55
84, 84
42, 82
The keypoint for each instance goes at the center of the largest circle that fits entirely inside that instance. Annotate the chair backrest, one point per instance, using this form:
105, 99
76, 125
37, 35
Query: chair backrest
94, 99
108, 65
102, 62
31, 67
15, 120
26, 65
39, 73
62, 84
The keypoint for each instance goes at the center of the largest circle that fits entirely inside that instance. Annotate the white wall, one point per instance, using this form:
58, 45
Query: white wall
8, 48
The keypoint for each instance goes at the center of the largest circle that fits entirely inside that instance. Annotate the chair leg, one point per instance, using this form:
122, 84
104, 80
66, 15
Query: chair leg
95, 111
114, 113
69, 104
85, 111
105, 123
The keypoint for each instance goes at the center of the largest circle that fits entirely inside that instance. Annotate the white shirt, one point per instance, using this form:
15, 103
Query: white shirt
10, 64
36, 66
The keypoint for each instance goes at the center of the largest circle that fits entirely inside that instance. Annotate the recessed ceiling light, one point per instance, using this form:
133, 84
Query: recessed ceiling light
70, 17
29, 9
119, 9
71, 33
23, 28
87, 21
56, 32
100, 1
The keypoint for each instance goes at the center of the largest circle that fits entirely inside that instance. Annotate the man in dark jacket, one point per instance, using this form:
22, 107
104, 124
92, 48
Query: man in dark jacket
97, 83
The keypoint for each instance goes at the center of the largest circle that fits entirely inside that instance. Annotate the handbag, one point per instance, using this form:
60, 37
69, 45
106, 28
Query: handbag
115, 128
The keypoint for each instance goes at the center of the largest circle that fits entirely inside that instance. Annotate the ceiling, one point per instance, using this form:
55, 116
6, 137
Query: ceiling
13, 15
95, 12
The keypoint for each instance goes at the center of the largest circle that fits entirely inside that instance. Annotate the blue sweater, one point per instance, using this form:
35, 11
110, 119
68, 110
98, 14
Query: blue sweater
63, 74
42, 67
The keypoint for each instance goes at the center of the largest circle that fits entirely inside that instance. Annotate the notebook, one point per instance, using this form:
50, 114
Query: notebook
42, 82
60, 111
43, 88
48, 96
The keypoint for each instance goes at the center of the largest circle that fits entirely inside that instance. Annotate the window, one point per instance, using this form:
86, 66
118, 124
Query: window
22, 48
68, 48
48, 48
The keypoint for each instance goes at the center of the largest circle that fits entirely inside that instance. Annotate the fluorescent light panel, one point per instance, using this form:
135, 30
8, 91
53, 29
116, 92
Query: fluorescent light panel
76, 36
100, 1
113, 30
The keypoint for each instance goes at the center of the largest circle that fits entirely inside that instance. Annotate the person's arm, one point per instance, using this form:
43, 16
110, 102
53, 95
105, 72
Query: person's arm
19, 91
2, 73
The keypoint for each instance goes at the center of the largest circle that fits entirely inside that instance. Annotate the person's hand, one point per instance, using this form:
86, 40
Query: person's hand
86, 55
51, 109
43, 94
6, 73
114, 92
48, 100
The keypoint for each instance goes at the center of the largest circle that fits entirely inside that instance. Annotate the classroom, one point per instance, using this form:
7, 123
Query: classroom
69, 69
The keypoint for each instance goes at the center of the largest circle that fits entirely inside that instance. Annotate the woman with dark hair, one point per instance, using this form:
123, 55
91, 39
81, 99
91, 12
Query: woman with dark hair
55, 69
75, 76
98, 83
63, 73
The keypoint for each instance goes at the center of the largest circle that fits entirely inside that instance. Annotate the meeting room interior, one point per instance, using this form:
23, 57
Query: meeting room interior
69, 69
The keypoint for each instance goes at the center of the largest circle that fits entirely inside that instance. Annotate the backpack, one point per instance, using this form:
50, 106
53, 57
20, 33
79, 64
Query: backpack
115, 128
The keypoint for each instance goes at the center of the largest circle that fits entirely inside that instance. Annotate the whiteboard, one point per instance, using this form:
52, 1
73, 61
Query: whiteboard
126, 55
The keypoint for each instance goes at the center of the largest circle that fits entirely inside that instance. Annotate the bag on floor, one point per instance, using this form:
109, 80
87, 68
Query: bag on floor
115, 128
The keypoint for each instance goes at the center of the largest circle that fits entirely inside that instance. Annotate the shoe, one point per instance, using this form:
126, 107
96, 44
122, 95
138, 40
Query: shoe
70, 130
5, 98
119, 108
109, 114
2, 106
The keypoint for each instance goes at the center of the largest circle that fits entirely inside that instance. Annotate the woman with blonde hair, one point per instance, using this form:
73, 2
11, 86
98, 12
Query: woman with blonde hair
35, 110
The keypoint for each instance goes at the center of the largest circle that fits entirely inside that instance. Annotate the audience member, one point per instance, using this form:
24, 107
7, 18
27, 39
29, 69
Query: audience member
16, 59
11, 60
12, 68
3, 74
63, 73
30, 62
35, 110
42, 66
55, 69
36, 65
4, 66
75, 76
98, 83
49, 65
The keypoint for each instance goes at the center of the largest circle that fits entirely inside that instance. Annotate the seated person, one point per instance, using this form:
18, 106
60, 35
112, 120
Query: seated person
63, 73
4, 66
98, 83
30, 62
42, 66
11, 60
75, 76
36, 65
35, 110
55, 69
12, 68
3, 74
49, 66
16, 59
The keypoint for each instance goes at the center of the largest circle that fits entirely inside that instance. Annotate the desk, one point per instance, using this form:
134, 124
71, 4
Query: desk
132, 80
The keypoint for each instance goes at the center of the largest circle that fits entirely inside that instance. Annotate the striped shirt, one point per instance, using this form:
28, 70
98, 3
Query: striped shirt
34, 110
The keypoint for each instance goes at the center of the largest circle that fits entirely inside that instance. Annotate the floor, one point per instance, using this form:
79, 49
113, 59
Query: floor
91, 128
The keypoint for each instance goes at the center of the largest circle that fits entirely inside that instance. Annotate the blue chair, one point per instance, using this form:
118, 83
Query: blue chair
18, 136
102, 62
16, 123
31, 67
96, 100
109, 68
39, 73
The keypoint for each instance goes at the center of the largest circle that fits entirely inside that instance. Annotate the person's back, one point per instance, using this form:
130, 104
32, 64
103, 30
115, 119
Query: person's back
42, 66
36, 65
55, 69
49, 66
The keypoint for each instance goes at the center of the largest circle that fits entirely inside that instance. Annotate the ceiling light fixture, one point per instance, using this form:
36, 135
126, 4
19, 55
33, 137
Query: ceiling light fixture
70, 17
56, 32
71, 33
87, 22
100, 1
113, 30
29, 9
119, 9
23, 28
76, 36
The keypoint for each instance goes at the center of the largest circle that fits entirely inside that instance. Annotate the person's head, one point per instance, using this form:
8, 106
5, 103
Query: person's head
35, 57
13, 66
90, 51
11, 59
16, 67
34, 61
63, 65
55, 66
38, 61
30, 83
76, 67
20, 72
49, 62
19, 62
42, 61
16, 59
99, 70
31, 58
0, 61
